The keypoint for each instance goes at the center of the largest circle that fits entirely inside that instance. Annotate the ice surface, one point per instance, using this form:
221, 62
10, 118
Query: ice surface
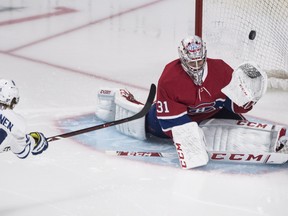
58, 62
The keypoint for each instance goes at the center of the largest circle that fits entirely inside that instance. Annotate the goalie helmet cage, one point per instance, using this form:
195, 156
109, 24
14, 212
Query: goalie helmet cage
247, 30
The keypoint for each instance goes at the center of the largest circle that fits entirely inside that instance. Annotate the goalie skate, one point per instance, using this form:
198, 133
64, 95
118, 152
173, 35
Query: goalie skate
282, 145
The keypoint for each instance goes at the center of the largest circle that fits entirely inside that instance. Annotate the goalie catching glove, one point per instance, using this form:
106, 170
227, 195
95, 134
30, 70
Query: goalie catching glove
247, 86
40, 144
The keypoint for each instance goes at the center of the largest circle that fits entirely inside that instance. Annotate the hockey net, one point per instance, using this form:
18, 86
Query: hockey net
225, 26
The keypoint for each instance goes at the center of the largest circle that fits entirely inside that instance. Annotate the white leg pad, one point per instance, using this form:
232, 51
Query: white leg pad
245, 142
127, 106
190, 145
240, 136
114, 104
105, 107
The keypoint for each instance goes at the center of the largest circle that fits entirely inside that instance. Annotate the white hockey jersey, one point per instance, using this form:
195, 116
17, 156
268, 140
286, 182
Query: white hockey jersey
13, 134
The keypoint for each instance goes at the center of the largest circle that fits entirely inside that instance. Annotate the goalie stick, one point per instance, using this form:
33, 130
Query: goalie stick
236, 157
141, 154
138, 115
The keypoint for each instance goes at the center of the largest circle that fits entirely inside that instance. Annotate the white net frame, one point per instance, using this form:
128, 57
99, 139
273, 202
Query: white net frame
226, 28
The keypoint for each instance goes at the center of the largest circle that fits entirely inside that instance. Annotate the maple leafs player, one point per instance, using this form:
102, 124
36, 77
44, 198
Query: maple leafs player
190, 90
12, 125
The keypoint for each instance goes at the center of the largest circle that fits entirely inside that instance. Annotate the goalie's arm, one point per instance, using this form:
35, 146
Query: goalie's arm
233, 107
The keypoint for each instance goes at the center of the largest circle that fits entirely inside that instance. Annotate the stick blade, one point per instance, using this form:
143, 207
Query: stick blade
142, 113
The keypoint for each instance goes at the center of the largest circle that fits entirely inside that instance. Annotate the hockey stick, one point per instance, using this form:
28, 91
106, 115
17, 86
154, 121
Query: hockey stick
244, 158
141, 154
138, 115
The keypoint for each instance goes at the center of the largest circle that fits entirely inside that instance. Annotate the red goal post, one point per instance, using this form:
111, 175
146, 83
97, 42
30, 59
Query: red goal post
241, 30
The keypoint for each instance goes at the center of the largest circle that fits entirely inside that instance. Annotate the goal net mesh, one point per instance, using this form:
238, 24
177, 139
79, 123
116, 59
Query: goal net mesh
226, 28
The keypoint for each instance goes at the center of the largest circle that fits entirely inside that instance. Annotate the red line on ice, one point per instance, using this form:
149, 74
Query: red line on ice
60, 11
72, 70
10, 52
84, 26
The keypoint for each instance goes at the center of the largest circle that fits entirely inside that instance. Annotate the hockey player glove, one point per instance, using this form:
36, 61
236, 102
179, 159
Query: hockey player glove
41, 143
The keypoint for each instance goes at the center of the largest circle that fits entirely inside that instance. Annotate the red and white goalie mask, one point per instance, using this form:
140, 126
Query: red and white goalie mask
192, 53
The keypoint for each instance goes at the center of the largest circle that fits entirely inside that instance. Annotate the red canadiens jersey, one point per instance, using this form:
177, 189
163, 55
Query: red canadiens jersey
179, 100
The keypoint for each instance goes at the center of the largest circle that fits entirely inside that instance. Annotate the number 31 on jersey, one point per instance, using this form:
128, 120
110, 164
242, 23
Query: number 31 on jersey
162, 107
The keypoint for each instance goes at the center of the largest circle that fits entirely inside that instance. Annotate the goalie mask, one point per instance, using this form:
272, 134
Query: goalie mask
9, 93
192, 53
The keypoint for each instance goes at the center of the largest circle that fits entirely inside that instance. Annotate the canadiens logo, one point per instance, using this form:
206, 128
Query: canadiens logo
202, 108
205, 107
193, 47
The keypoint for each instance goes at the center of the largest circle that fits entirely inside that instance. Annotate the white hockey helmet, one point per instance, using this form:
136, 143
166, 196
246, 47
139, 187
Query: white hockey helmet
192, 53
9, 93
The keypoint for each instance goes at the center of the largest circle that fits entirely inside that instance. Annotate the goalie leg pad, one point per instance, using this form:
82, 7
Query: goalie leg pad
105, 107
245, 142
126, 106
240, 136
190, 145
114, 104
